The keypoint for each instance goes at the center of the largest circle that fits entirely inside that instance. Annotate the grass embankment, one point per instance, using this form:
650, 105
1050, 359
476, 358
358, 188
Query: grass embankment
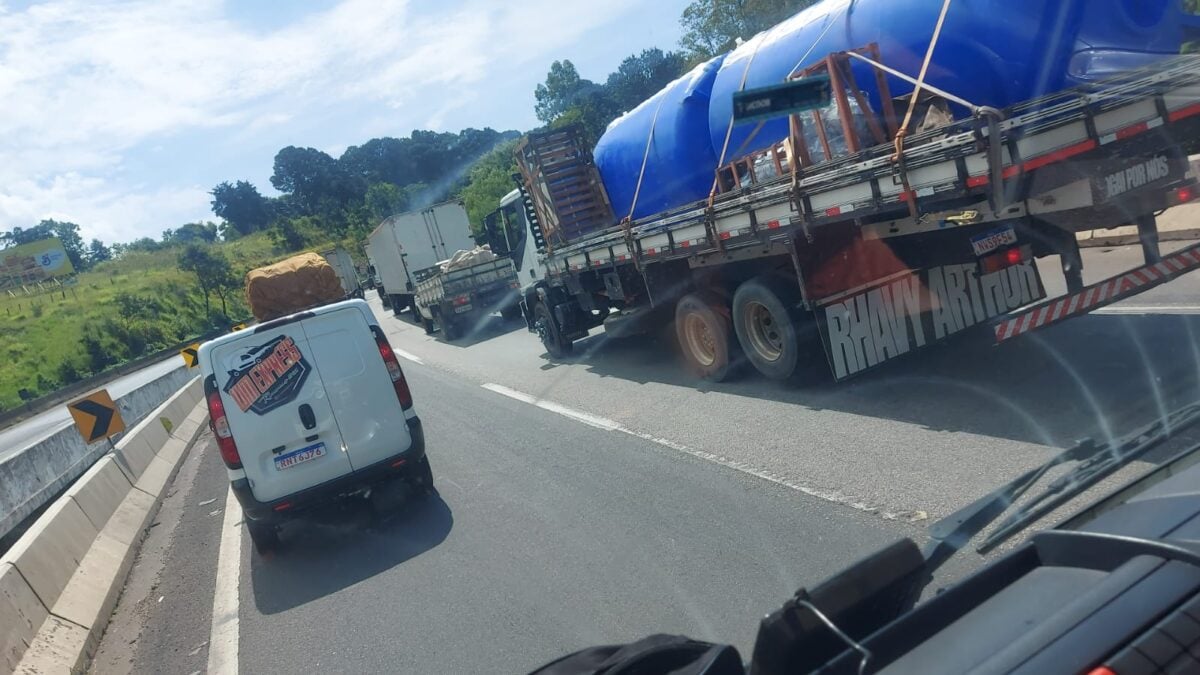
115, 312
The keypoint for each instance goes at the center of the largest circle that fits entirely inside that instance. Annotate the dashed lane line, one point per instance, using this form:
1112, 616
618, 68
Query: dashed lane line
408, 355
223, 641
770, 476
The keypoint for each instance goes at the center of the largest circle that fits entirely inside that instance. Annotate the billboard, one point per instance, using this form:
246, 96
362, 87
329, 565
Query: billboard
33, 262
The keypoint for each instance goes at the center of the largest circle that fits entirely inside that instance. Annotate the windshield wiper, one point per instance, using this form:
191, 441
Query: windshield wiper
1096, 461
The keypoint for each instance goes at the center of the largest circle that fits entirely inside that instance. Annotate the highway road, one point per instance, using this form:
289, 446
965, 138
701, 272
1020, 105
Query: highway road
610, 496
28, 432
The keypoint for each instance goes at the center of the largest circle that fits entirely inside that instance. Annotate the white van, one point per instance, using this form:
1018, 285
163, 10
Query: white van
310, 409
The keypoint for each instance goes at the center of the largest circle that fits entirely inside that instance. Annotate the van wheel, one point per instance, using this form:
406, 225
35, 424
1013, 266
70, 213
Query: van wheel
765, 318
424, 478
547, 330
704, 335
265, 537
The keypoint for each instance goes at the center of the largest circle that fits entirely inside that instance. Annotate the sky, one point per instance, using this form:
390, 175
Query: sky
121, 115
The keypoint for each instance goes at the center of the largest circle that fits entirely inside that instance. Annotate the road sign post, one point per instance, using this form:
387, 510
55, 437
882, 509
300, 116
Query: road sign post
96, 416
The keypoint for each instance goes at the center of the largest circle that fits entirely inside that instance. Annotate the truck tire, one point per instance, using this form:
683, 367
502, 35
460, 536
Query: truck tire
428, 325
511, 313
398, 305
264, 536
547, 329
766, 319
450, 329
705, 336
385, 299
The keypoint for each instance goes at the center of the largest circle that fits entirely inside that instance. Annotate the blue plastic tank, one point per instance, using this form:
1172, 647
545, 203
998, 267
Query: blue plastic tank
991, 52
680, 165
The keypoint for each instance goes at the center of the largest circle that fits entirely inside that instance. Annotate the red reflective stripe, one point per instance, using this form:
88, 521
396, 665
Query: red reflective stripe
1060, 155
773, 225
908, 196
651, 251
835, 211
1193, 109
1134, 130
976, 181
726, 235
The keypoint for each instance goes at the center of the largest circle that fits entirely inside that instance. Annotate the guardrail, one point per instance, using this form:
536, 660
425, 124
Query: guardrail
60, 581
35, 475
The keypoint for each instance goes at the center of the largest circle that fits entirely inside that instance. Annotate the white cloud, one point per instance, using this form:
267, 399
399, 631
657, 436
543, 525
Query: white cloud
90, 89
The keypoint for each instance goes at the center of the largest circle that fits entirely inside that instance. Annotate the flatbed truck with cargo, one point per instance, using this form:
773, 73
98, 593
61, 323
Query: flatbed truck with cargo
869, 255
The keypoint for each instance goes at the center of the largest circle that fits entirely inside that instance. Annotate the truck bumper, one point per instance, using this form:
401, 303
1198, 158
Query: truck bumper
402, 465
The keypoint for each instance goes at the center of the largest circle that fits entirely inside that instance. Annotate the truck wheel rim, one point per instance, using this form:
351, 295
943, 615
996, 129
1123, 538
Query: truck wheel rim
765, 336
700, 340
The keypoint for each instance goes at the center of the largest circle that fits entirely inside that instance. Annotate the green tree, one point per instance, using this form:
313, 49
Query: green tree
98, 252
192, 233
241, 206
213, 273
385, 199
640, 76
489, 180
315, 180
561, 91
712, 27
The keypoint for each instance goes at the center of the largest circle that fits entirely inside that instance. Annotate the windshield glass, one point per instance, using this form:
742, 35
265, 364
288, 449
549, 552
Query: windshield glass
453, 337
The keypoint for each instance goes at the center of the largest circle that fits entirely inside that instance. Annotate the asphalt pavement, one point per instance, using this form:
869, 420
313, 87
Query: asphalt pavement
32, 430
609, 495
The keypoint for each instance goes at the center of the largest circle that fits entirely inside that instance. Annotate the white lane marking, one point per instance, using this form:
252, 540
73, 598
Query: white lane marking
588, 419
610, 425
408, 355
1149, 309
223, 642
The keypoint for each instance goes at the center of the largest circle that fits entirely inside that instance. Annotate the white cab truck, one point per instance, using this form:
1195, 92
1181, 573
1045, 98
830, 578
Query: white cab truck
309, 410
417, 240
870, 255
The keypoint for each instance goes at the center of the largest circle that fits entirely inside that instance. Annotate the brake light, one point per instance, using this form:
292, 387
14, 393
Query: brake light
1009, 257
220, 427
462, 300
394, 371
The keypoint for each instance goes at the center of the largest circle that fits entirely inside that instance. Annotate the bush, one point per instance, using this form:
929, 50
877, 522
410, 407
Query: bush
68, 372
38, 310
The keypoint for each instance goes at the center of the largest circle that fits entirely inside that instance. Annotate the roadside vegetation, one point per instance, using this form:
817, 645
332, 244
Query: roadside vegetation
134, 298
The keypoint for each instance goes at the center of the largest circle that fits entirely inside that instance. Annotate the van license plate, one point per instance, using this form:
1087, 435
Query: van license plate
300, 456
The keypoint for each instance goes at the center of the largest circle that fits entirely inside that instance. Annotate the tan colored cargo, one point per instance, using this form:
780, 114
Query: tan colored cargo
291, 285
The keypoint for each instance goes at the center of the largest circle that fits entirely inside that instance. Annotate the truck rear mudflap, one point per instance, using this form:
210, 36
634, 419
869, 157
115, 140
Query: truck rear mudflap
865, 327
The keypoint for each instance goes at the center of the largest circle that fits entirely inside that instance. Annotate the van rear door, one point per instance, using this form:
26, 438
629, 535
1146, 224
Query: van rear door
372, 425
278, 411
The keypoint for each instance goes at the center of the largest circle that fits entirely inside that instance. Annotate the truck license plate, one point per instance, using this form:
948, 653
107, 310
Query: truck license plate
990, 241
307, 454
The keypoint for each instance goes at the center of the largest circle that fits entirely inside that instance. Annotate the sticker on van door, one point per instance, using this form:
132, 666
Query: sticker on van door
267, 376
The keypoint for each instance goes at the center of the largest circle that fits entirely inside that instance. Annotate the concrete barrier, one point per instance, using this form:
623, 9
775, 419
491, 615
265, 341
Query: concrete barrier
36, 475
61, 580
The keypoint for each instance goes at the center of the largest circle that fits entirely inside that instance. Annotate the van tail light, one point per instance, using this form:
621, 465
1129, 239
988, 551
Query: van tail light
393, 368
220, 427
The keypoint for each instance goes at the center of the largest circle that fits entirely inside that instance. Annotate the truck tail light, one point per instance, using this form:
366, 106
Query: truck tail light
394, 370
1183, 195
220, 427
462, 300
1009, 257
